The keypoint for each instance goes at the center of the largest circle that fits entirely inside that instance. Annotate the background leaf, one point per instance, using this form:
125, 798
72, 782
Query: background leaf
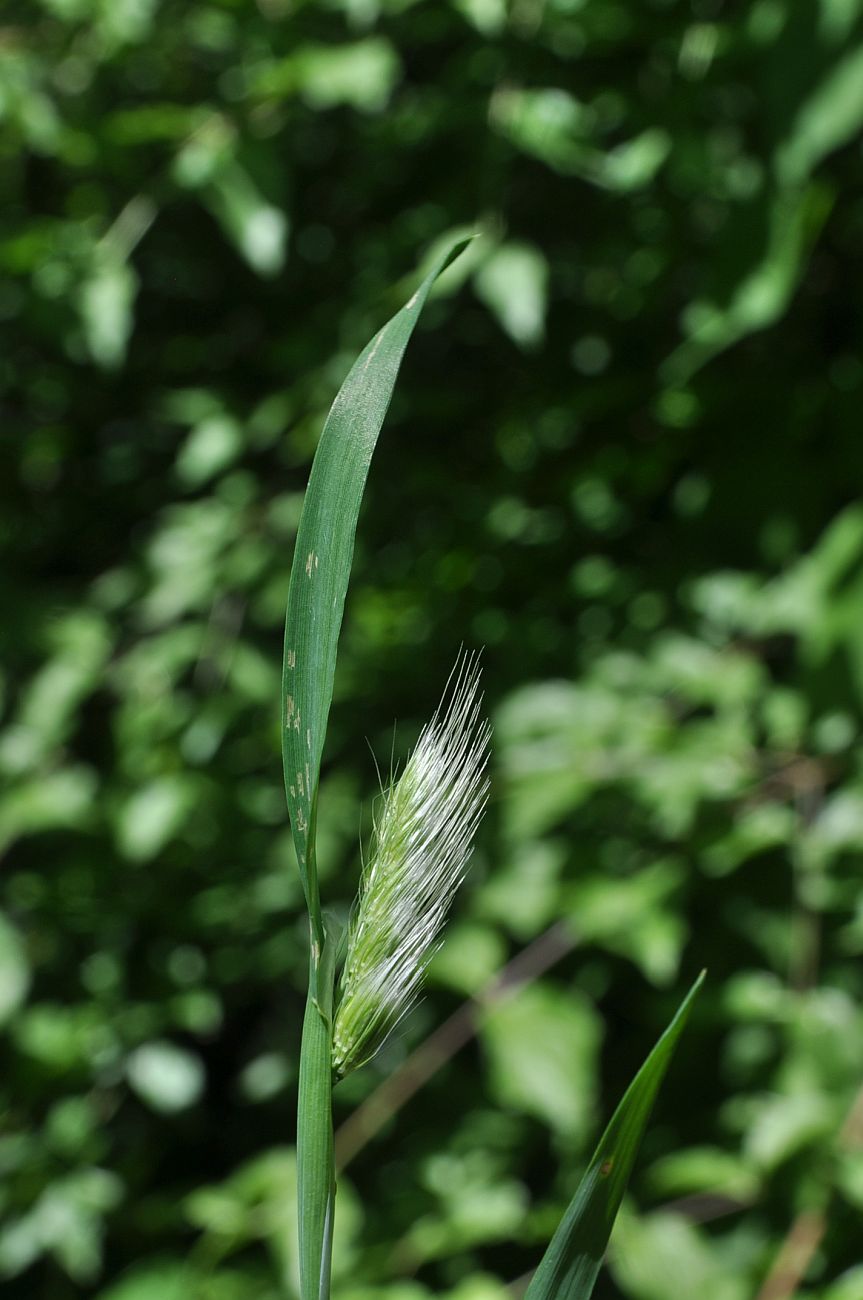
542, 1046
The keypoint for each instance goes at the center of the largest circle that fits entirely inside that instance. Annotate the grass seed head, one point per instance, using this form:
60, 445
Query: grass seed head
422, 842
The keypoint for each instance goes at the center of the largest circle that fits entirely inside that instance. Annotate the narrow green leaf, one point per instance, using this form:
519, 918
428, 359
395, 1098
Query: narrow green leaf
321, 569
570, 1266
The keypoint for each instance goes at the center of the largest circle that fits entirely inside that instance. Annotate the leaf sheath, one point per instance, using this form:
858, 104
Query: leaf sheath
315, 1163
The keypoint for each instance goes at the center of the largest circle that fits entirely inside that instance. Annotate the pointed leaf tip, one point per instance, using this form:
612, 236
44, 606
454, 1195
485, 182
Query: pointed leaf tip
571, 1264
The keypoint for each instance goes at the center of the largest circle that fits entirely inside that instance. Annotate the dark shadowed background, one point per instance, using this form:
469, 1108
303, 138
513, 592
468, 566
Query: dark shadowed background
624, 456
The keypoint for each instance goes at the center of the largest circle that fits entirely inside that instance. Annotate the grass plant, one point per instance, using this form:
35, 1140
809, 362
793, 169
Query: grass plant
363, 979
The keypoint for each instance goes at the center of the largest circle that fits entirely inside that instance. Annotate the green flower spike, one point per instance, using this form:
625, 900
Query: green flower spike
422, 843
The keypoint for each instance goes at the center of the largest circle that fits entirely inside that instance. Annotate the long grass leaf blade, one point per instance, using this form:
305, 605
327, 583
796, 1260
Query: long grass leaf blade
570, 1266
321, 568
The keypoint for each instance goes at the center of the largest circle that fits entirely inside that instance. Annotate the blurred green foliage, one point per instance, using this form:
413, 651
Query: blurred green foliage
622, 456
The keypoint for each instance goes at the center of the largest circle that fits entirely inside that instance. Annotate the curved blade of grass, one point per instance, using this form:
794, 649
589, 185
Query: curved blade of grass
570, 1266
321, 569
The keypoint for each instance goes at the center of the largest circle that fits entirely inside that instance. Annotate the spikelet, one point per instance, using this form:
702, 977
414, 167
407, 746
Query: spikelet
422, 842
